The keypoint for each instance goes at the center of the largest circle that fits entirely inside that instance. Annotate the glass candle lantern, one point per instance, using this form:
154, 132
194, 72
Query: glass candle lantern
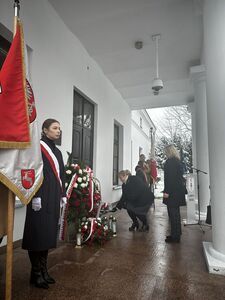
114, 226
78, 238
110, 222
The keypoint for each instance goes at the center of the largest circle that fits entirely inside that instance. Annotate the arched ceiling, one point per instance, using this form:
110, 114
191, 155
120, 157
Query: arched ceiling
108, 30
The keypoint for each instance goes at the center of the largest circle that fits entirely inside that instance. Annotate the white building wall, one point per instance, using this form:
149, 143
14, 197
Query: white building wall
58, 64
140, 136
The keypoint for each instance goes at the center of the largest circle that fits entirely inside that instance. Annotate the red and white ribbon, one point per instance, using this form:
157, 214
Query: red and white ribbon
63, 223
91, 193
52, 160
93, 220
71, 186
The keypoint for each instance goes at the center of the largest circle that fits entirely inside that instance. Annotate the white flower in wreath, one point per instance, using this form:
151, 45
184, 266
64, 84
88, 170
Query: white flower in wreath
83, 185
106, 227
86, 184
68, 172
72, 165
75, 185
66, 184
84, 178
80, 171
79, 179
85, 227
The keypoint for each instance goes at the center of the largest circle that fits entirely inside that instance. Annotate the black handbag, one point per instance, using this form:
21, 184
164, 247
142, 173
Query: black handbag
208, 216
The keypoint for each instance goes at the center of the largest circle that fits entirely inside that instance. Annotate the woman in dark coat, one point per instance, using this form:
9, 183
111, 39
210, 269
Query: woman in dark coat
41, 225
141, 171
137, 198
174, 192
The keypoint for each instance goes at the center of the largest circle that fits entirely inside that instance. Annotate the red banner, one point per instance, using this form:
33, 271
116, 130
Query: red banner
14, 129
20, 166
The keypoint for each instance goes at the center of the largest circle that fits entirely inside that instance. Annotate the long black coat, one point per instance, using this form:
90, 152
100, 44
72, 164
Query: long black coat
40, 231
140, 173
174, 183
136, 195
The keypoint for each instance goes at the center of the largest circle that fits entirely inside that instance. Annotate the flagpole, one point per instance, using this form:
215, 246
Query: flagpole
11, 205
9, 255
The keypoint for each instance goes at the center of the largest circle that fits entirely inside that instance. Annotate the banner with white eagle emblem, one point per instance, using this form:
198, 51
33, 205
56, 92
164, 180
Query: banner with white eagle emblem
20, 169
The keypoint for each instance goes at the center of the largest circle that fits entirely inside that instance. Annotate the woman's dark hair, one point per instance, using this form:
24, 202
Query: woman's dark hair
141, 163
47, 123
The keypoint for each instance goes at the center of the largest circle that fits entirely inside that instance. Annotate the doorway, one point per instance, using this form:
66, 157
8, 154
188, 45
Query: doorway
83, 130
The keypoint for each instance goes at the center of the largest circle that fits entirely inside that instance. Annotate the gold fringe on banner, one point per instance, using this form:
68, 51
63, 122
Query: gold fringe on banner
11, 186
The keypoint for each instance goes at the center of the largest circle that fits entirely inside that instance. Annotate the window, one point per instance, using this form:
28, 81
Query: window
4, 48
141, 123
116, 155
83, 130
150, 132
117, 151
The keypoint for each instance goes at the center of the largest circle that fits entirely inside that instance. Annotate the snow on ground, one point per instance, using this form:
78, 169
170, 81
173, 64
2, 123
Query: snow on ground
160, 185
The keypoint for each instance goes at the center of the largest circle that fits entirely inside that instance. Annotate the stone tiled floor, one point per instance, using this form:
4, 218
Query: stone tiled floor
131, 266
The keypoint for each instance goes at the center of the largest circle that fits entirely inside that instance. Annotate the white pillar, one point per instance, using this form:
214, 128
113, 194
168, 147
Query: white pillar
201, 139
191, 108
214, 43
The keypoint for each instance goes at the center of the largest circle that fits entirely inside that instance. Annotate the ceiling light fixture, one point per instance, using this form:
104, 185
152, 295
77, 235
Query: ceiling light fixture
157, 83
138, 45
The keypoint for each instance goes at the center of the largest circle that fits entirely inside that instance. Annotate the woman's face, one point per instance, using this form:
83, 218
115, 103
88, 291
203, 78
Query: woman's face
123, 178
53, 132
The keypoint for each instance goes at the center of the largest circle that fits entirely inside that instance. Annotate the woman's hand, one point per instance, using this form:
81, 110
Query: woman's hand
165, 195
36, 203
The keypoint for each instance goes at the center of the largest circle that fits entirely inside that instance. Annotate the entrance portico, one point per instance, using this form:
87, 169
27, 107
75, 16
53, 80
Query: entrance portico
92, 47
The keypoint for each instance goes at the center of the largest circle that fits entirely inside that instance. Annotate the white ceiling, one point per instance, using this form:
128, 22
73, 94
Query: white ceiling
108, 30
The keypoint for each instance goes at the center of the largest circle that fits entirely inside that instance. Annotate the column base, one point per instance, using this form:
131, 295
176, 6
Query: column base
192, 219
202, 215
214, 259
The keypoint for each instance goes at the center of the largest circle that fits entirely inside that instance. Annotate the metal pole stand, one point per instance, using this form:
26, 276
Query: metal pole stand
199, 222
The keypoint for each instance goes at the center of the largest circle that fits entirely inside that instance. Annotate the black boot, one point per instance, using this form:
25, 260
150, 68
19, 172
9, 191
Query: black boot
47, 277
144, 228
36, 277
44, 271
134, 226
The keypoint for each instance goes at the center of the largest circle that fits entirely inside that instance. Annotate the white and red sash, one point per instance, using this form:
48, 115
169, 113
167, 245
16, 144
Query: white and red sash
52, 160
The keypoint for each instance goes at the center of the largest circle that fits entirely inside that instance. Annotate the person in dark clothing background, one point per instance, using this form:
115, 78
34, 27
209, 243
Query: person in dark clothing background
136, 198
140, 172
174, 192
41, 224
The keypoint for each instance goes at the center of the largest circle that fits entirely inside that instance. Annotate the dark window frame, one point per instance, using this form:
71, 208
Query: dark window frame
116, 141
141, 123
83, 125
4, 48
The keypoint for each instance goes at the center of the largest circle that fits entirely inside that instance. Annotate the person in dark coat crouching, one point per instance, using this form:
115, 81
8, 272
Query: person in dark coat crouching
137, 198
41, 225
174, 192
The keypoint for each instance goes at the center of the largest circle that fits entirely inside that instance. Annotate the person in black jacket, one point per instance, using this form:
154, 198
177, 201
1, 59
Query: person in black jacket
41, 225
136, 198
140, 171
174, 192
